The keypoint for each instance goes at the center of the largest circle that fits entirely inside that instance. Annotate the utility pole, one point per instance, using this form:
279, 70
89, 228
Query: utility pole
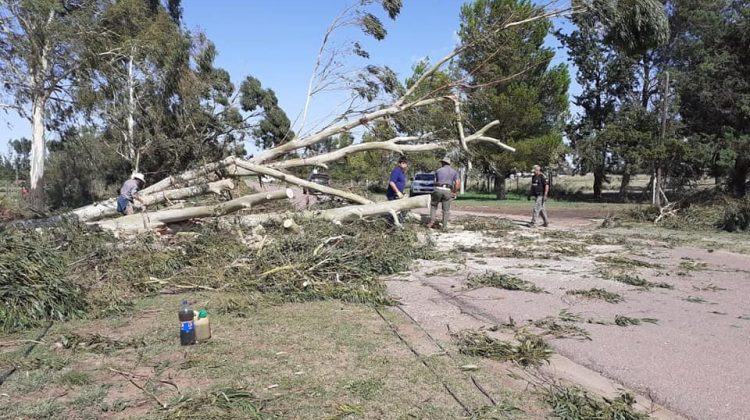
658, 192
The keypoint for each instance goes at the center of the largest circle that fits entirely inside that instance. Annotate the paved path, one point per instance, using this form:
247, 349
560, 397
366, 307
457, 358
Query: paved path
695, 361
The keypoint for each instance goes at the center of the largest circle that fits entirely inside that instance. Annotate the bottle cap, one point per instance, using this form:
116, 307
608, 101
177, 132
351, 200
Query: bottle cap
203, 314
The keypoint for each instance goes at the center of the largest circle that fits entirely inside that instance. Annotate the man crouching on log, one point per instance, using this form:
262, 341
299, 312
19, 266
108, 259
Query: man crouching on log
129, 192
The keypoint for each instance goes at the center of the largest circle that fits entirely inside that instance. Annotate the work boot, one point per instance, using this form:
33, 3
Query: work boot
545, 224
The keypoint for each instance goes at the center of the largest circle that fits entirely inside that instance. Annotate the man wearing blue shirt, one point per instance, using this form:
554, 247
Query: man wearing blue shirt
397, 184
397, 181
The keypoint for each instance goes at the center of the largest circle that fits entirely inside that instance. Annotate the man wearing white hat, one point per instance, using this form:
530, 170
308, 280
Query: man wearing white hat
129, 192
447, 183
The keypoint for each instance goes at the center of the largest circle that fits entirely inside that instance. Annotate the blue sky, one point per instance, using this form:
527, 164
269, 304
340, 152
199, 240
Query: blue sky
277, 42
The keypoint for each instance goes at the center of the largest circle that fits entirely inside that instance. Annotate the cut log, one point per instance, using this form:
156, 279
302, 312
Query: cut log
290, 224
337, 215
147, 221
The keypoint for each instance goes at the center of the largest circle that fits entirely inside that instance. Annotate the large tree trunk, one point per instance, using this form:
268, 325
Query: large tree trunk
108, 208
291, 179
146, 221
37, 152
738, 177
598, 182
500, 193
624, 184
189, 176
133, 154
336, 215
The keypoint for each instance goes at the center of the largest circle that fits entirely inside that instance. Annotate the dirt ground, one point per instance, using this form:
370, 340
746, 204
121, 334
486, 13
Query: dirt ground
689, 352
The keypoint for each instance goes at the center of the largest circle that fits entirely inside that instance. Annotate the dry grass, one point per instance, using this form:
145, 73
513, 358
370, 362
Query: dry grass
571, 403
501, 281
596, 293
528, 350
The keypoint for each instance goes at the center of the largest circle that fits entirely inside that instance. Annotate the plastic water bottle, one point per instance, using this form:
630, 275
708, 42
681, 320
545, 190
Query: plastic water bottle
187, 325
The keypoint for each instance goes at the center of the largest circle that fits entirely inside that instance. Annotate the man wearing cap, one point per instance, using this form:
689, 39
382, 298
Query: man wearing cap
539, 190
129, 192
397, 183
447, 183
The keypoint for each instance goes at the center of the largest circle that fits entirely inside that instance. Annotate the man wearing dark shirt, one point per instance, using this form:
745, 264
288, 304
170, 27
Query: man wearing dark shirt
539, 190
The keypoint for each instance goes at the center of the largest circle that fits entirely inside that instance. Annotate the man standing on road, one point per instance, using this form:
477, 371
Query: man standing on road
447, 183
397, 184
539, 190
129, 192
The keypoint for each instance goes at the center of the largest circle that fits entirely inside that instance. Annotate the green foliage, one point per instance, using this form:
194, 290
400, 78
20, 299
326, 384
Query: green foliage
634, 25
219, 403
82, 169
274, 128
571, 403
520, 88
528, 350
712, 62
736, 216
33, 283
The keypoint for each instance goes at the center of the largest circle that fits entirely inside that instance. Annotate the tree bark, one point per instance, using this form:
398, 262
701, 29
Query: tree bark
146, 221
624, 184
38, 146
337, 215
108, 208
291, 179
500, 193
188, 176
738, 177
598, 182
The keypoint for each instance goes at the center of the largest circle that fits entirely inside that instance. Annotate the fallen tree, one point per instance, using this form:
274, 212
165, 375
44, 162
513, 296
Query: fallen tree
145, 221
335, 215
108, 208
386, 98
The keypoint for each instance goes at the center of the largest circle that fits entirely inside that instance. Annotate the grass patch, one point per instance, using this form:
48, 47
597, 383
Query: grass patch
571, 403
690, 265
621, 261
501, 281
565, 248
95, 343
595, 293
487, 224
559, 328
502, 410
625, 321
220, 403
696, 299
75, 378
365, 388
528, 350
638, 281
511, 253
442, 272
